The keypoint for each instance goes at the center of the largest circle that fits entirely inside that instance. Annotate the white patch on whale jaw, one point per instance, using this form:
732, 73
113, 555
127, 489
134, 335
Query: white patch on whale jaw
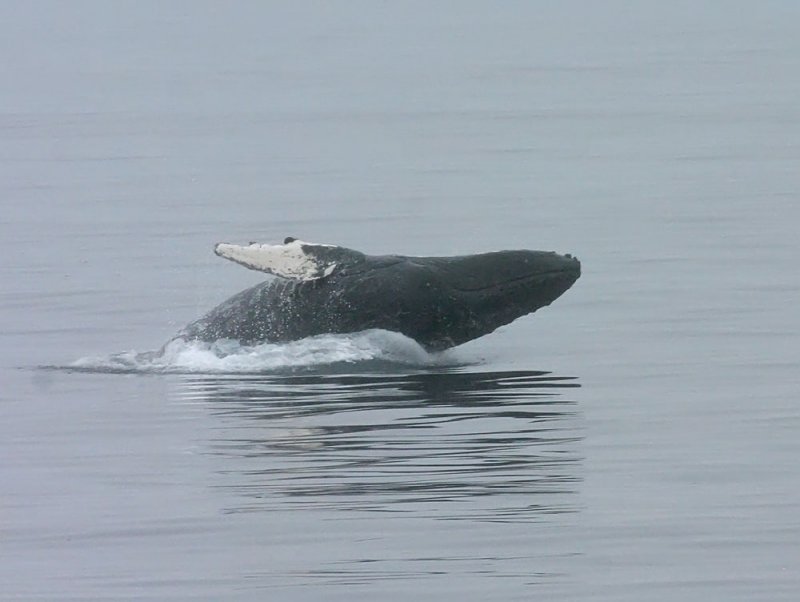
295, 260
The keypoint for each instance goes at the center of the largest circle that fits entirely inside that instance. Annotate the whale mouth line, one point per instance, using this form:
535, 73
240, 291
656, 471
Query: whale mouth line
537, 275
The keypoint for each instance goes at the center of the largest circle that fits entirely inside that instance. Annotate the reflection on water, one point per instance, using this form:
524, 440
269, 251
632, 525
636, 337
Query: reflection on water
489, 446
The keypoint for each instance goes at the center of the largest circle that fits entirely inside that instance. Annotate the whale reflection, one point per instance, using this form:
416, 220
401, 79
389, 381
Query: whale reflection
493, 446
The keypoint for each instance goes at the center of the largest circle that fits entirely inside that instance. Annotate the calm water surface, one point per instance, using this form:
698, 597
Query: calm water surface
638, 440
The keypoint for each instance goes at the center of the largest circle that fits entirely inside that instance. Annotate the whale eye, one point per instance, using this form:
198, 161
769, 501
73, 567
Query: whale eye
289, 239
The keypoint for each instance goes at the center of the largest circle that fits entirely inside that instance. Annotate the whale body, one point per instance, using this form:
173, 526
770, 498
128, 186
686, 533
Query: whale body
439, 302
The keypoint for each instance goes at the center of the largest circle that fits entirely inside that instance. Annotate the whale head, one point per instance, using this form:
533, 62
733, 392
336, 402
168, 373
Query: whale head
502, 286
446, 301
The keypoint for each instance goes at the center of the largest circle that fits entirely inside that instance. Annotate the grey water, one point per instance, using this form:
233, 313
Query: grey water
637, 440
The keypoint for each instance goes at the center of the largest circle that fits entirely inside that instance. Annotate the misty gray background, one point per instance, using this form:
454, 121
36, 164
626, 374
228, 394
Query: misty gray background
659, 142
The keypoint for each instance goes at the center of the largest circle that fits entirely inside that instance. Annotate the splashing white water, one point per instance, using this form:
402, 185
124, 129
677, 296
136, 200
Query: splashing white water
226, 356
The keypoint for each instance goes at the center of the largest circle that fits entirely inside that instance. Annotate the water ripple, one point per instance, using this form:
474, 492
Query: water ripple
489, 446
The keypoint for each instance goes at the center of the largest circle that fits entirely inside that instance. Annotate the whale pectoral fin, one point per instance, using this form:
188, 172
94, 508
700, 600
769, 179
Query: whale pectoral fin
296, 259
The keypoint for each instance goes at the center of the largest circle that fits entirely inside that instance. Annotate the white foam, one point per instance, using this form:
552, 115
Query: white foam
228, 356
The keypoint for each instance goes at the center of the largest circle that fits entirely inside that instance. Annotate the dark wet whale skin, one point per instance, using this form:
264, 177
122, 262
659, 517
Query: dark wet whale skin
439, 302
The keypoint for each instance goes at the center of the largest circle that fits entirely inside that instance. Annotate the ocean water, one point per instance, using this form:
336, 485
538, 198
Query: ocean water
637, 440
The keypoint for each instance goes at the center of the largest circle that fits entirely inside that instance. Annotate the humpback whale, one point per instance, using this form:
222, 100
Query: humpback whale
439, 302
